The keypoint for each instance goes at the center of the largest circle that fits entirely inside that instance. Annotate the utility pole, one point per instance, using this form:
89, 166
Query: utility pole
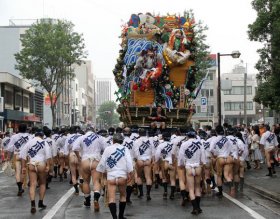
245, 96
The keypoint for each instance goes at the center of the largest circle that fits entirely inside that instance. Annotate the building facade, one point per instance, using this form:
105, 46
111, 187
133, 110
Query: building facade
85, 77
22, 103
207, 114
233, 98
103, 91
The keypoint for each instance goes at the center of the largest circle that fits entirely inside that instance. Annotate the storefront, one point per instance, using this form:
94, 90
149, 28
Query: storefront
12, 119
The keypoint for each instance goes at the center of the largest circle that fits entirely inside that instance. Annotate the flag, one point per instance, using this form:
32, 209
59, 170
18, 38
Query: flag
197, 90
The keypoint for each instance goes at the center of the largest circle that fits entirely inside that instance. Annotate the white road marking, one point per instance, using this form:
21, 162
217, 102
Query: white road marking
253, 213
1, 171
58, 205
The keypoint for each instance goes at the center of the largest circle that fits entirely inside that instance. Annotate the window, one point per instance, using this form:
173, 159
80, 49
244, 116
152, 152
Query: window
76, 101
211, 75
25, 102
206, 92
238, 90
212, 109
18, 100
237, 106
8, 97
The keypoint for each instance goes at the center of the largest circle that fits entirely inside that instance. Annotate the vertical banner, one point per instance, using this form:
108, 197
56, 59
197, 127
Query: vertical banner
182, 96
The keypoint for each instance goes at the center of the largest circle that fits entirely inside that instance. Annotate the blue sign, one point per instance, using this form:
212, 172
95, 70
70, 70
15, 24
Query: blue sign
203, 101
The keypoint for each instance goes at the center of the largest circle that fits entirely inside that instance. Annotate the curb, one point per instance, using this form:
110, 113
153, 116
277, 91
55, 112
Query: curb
272, 195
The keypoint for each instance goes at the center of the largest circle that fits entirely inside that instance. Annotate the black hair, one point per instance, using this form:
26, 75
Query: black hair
47, 132
119, 130
55, 130
34, 129
220, 130
202, 134
39, 133
231, 131
72, 129
166, 136
102, 132
111, 131
22, 128
142, 132
256, 129
239, 136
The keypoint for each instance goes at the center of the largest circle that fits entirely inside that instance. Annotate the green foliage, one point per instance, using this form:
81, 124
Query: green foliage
201, 54
50, 47
266, 29
107, 113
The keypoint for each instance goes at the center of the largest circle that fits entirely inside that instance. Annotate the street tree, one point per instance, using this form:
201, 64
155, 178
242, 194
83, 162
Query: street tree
50, 47
266, 29
107, 113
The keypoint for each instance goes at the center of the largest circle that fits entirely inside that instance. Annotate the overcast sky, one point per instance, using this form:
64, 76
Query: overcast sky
100, 22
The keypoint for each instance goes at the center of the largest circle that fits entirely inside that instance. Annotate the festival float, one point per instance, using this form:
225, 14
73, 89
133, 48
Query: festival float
158, 66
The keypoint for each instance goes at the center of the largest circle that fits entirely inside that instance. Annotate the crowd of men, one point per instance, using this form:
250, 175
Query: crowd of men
192, 162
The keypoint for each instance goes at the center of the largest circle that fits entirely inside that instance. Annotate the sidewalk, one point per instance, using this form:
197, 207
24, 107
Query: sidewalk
265, 185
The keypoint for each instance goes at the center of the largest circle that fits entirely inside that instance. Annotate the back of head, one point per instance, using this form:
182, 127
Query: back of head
191, 132
126, 131
151, 133
47, 132
142, 132
34, 130
166, 136
39, 133
202, 134
22, 128
111, 131
256, 130
134, 129
220, 130
213, 132
56, 130
72, 130
90, 127
102, 132
118, 138
231, 131
119, 130
239, 136
267, 127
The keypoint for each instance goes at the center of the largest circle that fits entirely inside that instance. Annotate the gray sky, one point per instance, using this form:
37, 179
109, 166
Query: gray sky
100, 22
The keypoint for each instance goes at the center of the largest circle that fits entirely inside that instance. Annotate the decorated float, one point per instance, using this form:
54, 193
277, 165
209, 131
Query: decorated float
159, 65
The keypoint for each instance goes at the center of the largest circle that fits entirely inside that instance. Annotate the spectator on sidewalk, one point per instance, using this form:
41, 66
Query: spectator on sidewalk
255, 146
269, 142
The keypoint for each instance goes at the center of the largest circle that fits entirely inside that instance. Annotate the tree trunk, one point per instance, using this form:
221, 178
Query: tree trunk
53, 116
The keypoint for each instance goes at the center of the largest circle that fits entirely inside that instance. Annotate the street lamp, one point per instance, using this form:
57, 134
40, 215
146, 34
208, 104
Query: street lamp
235, 55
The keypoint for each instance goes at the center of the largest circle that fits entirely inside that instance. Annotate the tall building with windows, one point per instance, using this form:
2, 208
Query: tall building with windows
103, 91
233, 98
207, 115
22, 103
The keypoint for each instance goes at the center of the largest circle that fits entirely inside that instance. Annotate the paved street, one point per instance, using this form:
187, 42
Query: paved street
251, 204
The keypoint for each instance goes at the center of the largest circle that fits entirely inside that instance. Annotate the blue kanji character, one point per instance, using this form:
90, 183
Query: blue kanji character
118, 154
188, 154
32, 153
111, 162
222, 142
129, 145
